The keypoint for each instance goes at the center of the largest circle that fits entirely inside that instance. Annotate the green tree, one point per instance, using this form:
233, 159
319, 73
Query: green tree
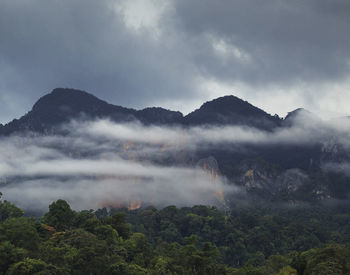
9, 210
21, 232
139, 250
161, 266
299, 263
33, 266
92, 255
329, 260
58, 254
9, 254
287, 270
60, 215
118, 222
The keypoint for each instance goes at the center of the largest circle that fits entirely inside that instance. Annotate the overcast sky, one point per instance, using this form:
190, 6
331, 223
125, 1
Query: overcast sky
277, 54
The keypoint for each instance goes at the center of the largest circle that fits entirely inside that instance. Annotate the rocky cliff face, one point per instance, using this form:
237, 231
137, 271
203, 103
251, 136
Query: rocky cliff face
211, 167
271, 182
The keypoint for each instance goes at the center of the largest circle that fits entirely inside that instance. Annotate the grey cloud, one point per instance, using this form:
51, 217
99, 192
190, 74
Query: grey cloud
287, 41
85, 44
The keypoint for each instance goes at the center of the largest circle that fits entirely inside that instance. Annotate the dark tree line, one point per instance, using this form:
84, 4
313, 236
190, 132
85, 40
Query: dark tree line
189, 240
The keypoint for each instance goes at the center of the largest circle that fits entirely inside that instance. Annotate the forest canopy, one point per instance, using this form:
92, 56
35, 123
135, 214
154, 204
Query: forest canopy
189, 240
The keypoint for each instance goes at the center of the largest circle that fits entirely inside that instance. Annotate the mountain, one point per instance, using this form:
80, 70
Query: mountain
299, 116
231, 110
62, 105
297, 112
157, 115
287, 171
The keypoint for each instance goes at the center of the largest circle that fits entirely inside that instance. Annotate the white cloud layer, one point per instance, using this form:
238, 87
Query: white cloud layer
103, 163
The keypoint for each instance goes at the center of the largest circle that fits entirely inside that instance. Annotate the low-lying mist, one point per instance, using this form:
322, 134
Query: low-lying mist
101, 163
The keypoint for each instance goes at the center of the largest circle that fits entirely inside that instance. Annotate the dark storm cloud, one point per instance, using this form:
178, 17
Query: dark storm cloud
83, 44
169, 55
283, 41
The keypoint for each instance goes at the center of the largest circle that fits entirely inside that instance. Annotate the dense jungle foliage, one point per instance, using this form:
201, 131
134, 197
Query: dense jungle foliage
189, 240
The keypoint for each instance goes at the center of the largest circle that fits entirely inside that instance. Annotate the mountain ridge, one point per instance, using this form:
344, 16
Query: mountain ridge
64, 104
274, 170
231, 110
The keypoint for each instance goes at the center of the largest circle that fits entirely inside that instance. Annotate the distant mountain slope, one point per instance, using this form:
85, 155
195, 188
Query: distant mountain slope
298, 116
231, 110
276, 171
157, 115
62, 105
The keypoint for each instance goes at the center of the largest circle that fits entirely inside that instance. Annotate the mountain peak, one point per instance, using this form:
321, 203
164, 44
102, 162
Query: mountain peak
297, 112
225, 103
63, 104
232, 104
65, 98
231, 110
299, 116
